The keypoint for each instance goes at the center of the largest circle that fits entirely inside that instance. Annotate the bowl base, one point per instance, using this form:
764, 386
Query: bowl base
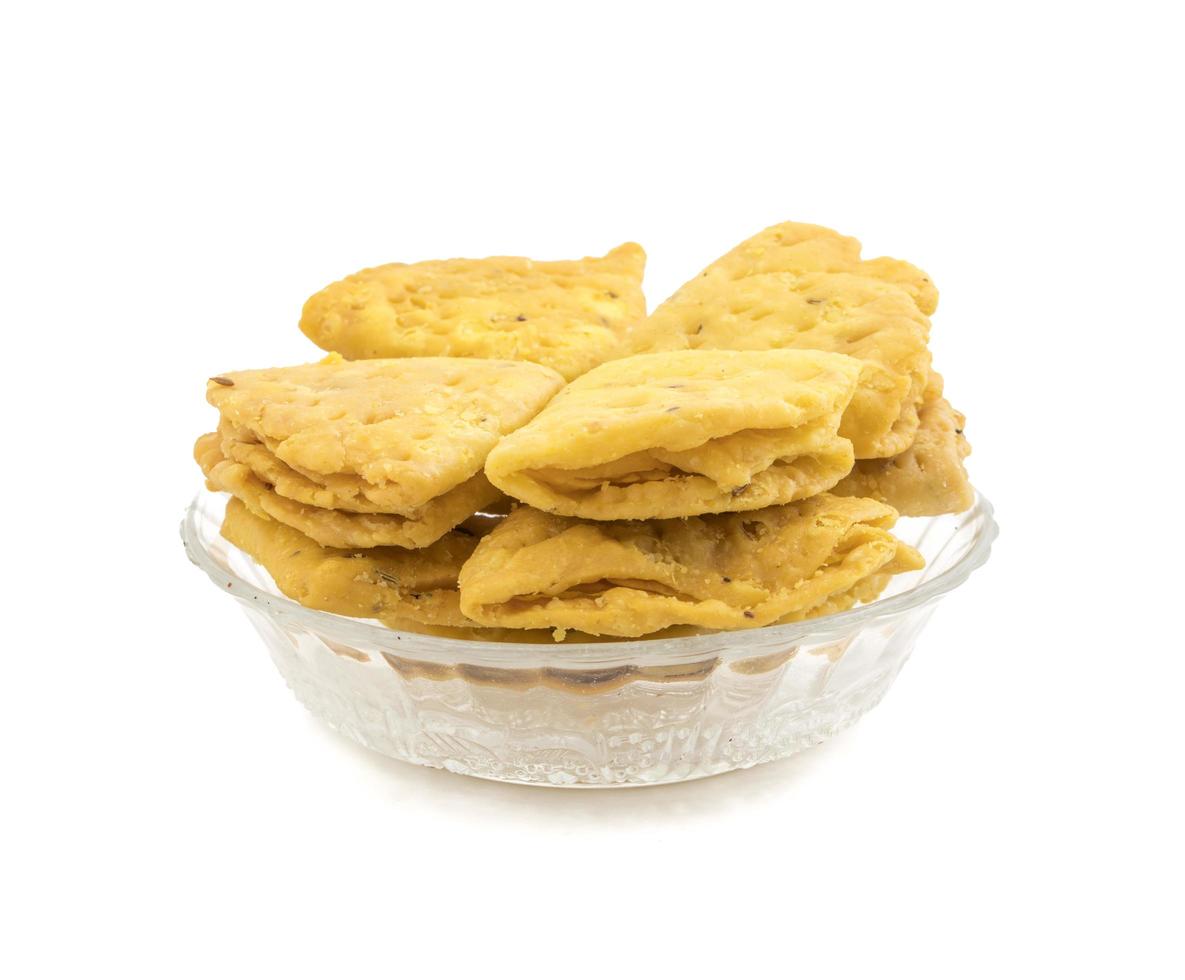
646, 732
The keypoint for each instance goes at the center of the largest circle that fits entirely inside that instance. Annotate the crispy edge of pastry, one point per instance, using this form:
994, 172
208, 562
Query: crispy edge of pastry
627, 579
927, 479
337, 529
672, 406
382, 583
399, 432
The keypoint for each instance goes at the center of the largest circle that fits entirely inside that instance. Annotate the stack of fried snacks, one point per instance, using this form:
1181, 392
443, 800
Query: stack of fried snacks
392, 585
735, 460
805, 287
928, 478
368, 453
683, 434
684, 488
726, 571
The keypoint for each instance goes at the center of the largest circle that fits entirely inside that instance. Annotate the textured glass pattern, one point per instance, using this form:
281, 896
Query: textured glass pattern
596, 714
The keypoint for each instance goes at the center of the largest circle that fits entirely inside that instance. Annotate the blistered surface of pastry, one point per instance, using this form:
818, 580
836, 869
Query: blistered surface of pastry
388, 584
928, 478
684, 433
799, 248
569, 315
730, 571
397, 433
337, 528
799, 286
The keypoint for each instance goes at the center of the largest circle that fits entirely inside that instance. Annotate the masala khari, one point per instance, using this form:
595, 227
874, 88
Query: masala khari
568, 315
505, 449
725, 571
684, 433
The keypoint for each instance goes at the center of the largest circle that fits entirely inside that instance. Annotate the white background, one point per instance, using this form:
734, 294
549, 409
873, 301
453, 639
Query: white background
178, 179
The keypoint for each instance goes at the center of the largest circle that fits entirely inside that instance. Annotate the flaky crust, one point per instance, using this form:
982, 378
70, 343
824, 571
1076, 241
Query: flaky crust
800, 248
398, 433
568, 315
392, 585
337, 528
928, 478
684, 433
730, 571
805, 287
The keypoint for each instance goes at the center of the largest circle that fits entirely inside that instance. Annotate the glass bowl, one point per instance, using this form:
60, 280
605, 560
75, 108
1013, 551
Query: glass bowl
611, 713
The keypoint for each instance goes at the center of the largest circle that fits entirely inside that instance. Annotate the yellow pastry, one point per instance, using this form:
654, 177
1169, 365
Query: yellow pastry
928, 478
799, 248
568, 315
684, 433
388, 584
802, 287
728, 571
338, 528
239, 446
369, 453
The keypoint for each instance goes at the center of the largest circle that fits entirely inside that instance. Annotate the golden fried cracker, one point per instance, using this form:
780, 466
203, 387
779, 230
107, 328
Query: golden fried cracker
800, 248
335, 493
684, 433
928, 478
387, 584
838, 312
568, 315
727, 571
340, 529
395, 434
812, 293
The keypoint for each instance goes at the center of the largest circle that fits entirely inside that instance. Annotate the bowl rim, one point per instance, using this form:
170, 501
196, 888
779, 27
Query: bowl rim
374, 635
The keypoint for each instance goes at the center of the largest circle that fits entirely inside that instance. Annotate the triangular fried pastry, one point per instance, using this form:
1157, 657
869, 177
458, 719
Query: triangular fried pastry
800, 248
240, 446
412, 428
388, 584
337, 528
568, 315
727, 571
928, 478
802, 287
684, 433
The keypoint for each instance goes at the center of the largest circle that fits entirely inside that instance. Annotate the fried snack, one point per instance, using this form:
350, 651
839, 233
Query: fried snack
800, 248
684, 433
392, 585
408, 591
570, 316
729, 571
783, 290
238, 445
929, 477
337, 528
372, 453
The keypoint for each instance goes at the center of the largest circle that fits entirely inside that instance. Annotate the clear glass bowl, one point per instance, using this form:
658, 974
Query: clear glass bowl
596, 714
